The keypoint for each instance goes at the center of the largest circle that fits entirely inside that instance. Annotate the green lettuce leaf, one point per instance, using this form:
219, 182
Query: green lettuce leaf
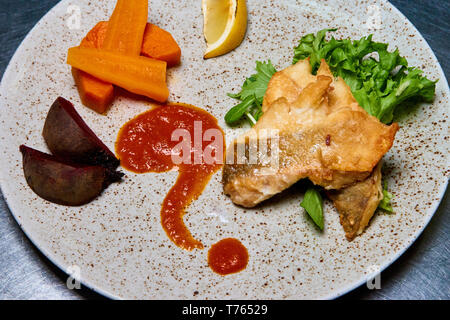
313, 204
379, 80
385, 204
251, 95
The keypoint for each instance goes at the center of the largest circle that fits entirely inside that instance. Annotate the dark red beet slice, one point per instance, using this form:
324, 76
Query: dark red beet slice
63, 182
68, 136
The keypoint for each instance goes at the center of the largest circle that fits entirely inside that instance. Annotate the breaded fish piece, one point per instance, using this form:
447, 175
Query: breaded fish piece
357, 203
289, 82
331, 141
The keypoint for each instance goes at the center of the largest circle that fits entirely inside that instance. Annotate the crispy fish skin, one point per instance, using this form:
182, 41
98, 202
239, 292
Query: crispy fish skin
288, 83
357, 203
305, 154
324, 135
251, 183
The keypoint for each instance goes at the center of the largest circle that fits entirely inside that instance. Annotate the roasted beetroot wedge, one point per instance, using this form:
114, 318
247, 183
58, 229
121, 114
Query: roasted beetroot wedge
63, 182
68, 136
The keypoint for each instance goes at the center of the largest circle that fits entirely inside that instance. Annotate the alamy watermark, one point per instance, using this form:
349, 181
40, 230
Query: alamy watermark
374, 277
74, 279
73, 22
255, 148
373, 17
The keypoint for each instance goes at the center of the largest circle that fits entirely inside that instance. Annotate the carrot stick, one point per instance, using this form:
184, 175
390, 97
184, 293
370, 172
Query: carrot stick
140, 75
94, 93
126, 27
159, 44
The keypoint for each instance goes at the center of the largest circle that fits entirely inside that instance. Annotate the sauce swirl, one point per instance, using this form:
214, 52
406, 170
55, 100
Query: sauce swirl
147, 144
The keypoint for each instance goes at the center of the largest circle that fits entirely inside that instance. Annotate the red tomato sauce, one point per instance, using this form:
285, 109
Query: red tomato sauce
144, 144
227, 256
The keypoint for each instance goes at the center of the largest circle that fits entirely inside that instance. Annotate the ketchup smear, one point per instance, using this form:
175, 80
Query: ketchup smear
144, 144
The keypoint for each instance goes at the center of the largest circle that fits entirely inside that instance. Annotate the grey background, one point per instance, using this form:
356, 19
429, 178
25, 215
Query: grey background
421, 273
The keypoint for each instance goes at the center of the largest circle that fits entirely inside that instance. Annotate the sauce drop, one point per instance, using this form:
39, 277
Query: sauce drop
227, 256
145, 144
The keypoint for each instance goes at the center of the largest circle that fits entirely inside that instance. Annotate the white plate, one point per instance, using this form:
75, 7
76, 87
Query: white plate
117, 240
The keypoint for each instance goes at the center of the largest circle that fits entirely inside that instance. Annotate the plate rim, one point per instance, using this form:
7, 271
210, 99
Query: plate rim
339, 293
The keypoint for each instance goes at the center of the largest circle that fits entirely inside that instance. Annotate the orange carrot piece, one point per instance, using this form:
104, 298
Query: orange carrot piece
94, 93
97, 94
126, 27
140, 75
159, 44
96, 36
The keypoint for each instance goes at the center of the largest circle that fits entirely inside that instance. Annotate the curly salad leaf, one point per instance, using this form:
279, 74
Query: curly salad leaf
251, 95
380, 80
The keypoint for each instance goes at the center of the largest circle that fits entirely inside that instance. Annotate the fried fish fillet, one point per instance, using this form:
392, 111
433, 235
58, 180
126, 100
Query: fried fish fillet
289, 82
357, 203
323, 135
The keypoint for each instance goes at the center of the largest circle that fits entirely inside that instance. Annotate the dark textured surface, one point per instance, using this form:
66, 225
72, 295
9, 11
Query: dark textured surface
421, 273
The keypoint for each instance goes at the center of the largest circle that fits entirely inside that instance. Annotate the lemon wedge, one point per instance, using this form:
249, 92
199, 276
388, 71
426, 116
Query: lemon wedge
224, 25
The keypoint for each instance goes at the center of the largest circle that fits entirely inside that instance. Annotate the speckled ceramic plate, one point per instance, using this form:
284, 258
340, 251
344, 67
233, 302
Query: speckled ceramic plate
117, 240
